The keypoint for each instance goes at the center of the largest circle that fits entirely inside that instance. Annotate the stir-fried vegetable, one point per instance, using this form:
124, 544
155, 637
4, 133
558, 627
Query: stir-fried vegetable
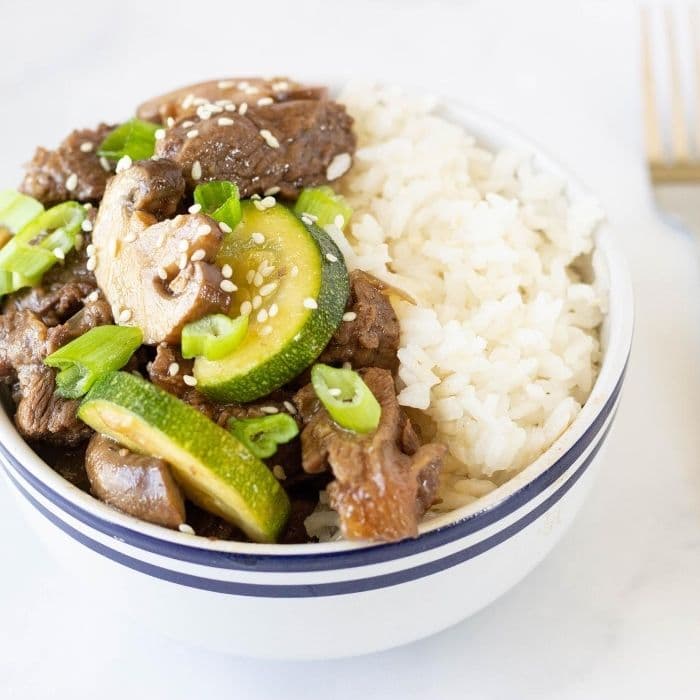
135, 138
220, 199
324, 206
347, 398
17, 210
213, 337
100, 350
39, 245
262, 435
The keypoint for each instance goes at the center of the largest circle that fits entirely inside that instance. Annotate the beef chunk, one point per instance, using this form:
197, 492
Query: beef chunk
49, 174
285, 145
136, 484
385, 480
371, 339
216, 95
62, 292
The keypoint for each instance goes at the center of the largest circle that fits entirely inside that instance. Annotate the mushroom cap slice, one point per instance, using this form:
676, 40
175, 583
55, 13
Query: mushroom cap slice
144, 265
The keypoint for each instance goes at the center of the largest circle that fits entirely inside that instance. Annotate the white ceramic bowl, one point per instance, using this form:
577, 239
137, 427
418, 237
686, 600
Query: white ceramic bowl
348, 598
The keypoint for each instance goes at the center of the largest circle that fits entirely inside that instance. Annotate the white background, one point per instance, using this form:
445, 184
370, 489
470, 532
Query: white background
614, 612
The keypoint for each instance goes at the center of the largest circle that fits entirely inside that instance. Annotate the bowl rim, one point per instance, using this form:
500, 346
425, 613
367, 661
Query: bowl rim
439, 530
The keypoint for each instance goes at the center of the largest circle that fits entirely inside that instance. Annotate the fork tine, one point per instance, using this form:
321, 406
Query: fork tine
652, 126
679, 125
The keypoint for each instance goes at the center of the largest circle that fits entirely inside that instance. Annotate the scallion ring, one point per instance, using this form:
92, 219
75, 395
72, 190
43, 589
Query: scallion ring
213, 337
324, 205
263, 435
220, 200
135, 138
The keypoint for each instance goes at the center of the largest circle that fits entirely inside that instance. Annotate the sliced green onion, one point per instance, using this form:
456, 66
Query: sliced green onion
37, 247
220, 199
17, 209
135, 138
213, 337
348, 400
262, 435
102, 349
325, 205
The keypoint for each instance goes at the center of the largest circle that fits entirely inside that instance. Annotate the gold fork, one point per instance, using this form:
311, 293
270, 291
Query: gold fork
673, 163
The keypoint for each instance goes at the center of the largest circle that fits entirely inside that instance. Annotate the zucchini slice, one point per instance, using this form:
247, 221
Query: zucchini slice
293, 283
214, 469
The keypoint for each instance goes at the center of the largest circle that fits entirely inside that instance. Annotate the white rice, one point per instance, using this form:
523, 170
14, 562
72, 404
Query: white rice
502, 348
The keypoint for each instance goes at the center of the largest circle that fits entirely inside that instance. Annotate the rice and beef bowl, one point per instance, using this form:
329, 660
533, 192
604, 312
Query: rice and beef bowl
255, 312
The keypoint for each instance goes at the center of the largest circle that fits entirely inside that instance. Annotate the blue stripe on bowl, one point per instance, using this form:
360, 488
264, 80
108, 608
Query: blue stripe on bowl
328, 561
320, 589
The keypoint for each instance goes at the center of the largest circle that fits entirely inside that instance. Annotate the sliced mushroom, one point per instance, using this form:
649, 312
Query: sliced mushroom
156, 274
135, 484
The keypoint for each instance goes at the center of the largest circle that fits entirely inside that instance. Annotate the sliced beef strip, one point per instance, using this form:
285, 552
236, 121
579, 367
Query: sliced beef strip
308, 135
49, 173
136, 484
25, 340
385, 480
184, 101
372, 338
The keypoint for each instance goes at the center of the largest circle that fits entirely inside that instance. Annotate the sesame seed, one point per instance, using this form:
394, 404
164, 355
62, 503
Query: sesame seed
225, 228
278, 472
349, 316
186, 529
86, 225
264, 101
195, 209
338, 166
262, 316
270, 140
130, 237
90, 250
280, 86
86, 146
227, 271
230, 108
196, 170
170, 122
246, 308
271, 190
160, 134
227, 286
310, 303
162, 273
257, 301
203, 230
294, 271
331, 258
249, 276
125, 316
270, 410
198, 254
255, 196
112, 247
183, 245
173, 369
203, 112
257, 279
258, 238
306, 219
243, 108
265, 330
124, 163
192, 133
339, 220
87, 206
182, 261
71, 182
268, 288
91, 264
225, 84
274, 310
268, 202
290, 407
58, 252
187, 124
224, 121
189, 380
105, 164
93, 296
334, 391
187, 101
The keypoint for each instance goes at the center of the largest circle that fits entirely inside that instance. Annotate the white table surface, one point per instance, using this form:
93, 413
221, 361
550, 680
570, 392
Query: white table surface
614, 612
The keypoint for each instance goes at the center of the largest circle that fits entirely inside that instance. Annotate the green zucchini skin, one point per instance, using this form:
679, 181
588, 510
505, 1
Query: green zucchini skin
214, 469
222, 381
